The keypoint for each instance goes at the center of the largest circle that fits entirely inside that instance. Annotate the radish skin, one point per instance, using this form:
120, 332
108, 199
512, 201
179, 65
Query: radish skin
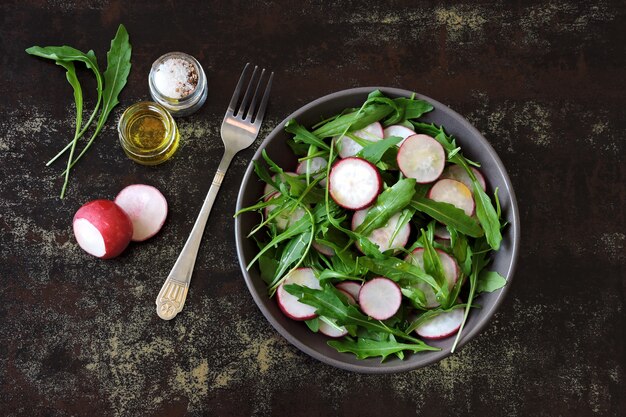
102, 229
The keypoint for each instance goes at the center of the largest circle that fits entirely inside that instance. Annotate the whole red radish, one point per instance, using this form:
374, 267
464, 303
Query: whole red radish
102, 229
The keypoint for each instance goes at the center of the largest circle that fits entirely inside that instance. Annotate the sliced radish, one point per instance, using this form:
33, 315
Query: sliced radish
315, 166
349, 296
399, 131
380, 298
288, 303
286, 217
458, 173
354, 183
442, 232
323, 249
383, 235
146, 207
441, 326
351, 287
421, 157
450, 270
102, 228
347, 147
331, 331
269, 188
453, 192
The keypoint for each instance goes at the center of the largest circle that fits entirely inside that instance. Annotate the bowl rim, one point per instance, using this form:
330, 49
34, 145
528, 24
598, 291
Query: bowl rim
399, 366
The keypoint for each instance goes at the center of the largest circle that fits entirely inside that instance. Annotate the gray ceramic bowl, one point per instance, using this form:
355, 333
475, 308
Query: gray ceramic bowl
474, 147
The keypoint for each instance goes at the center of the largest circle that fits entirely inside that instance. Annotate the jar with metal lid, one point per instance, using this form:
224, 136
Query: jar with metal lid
178, 83
148, 133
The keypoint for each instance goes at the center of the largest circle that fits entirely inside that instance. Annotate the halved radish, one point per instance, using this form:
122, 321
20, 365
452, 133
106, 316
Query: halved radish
453, 192
383, 235
354, 183
315, 166
331, 331
450, 269
441, 326
421, 157
146, 207
102, 228
289, 304
399, 131
458, 173
349, 296
351, 287
286, 217
269, 189
323, 249
380, 298
347, 147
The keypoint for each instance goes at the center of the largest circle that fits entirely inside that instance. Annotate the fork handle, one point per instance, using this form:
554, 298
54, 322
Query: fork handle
171, 298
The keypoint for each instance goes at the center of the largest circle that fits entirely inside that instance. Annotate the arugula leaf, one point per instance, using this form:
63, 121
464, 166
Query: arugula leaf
388, 203
366, 348
293, 252
487, 215
302, 135
409, 109
432, 264
489, 281
449, 215
374, 151
368, 114
398, 271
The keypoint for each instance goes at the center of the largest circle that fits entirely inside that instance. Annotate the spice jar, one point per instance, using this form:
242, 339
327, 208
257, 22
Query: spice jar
148, 133
178, 83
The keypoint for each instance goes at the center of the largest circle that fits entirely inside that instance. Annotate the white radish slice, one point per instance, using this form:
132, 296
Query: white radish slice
450, 270
288, 303
421, 157
331, 331
269, 188
442, 232
349, 296
315, 165
354, 183
380, 298
351, 287
399, 131
458, 173
146, 207
347, 147
441, 326
102, 228
286, 217
323, 249
453, 192
383, 235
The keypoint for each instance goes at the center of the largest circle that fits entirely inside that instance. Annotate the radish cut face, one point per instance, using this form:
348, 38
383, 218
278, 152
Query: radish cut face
316, 165
441, 326
323, 249
380, 298
455, 193
354, 183
146, 207
289, 304
347, 147
458, 173
351, 287
384, 236
442, 232
331, 331
450, 270
102, 228
399, 131
421, 157
286, 217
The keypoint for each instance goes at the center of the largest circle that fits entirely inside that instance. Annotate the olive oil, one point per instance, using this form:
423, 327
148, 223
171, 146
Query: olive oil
148, 133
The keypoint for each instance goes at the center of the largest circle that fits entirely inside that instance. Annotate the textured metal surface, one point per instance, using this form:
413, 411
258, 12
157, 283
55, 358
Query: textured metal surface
543, 81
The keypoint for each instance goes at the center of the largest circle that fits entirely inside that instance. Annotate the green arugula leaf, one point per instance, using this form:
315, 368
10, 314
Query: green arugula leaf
398, 271
388, 203
366, 348
449, 215
374, 151
489, 281
302, 135
368, 114
487, 215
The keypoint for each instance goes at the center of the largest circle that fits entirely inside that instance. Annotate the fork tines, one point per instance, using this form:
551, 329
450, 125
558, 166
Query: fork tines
246, 108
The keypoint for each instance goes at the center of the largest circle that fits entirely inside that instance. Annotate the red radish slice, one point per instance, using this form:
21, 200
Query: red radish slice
458, 173
347, 147
453, 192
383, 235
399, 131
146, 207
421, 157
286, 217
354, 183
380, 298
441, 326
331, 331
351, 287
442, 232
102, 228
450, 269
288, 303
270, 188
316, 165
323, 249
349, 296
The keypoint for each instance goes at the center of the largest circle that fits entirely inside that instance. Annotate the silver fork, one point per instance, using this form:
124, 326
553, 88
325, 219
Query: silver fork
239, 130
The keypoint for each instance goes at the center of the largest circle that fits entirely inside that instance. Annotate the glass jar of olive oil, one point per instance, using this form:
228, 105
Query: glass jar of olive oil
148, 133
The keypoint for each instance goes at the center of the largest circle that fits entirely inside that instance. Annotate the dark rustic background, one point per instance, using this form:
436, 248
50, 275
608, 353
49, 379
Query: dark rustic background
542, 80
